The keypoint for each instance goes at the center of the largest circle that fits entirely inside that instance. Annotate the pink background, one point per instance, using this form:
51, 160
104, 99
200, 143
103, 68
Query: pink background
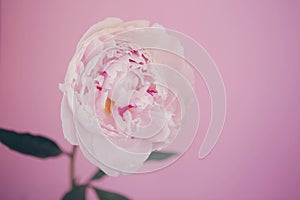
256, 46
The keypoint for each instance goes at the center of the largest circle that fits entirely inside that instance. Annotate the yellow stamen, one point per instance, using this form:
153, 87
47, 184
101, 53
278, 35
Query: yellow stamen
107, 106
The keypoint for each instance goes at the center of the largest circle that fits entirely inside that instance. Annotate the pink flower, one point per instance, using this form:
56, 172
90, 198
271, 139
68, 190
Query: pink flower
116, 104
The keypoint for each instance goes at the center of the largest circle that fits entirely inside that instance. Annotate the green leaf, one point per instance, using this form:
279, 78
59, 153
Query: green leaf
77, 193
106, 195
156, 155
99, 174
28, 144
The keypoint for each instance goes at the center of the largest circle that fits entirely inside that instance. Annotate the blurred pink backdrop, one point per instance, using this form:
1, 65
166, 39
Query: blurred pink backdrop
256, 46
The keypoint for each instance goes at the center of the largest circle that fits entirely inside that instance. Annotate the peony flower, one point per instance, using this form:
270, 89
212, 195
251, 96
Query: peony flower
119, 102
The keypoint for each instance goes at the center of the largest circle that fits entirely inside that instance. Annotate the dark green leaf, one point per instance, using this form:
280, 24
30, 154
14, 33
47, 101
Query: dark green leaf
156, 155
77, 193
99, 174
26, 143
106, 195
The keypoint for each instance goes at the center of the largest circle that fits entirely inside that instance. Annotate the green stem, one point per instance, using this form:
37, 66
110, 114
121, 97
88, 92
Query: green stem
72, 165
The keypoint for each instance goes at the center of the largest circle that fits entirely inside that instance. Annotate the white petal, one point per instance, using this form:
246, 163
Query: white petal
62, 87
177, 84
67, 122
118, 158
136, 24
95, 162
104, 151
157, 123
105, 24
163, 135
